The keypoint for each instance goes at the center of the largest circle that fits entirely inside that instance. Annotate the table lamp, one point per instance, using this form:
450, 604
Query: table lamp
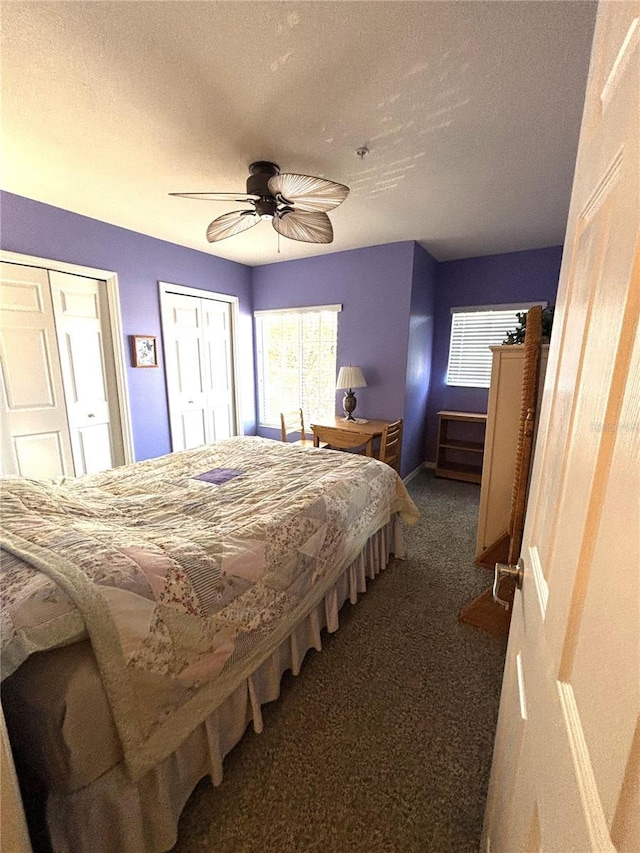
349, 378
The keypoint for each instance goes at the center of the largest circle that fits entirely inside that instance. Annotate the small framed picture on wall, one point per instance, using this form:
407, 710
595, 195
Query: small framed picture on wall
144, 350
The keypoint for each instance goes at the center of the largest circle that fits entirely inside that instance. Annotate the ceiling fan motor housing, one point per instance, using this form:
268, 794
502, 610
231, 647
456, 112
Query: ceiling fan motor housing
266, 206
258, 184
260, 173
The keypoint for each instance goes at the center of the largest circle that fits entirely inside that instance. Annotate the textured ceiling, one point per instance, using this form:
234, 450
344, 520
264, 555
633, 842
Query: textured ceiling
471, 112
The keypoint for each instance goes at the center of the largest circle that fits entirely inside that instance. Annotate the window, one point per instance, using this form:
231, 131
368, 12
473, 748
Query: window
297, 362
473, 331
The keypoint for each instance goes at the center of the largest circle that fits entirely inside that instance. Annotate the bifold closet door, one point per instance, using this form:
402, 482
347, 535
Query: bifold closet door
218, 369
59, 397
199, 370
184, 366
86, 358
36, 441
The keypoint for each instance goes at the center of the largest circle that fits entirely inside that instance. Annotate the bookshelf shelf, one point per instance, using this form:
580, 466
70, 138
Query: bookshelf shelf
460, 445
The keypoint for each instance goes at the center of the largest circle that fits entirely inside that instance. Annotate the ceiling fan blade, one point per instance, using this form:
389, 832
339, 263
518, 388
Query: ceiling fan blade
306, 226
219, 196
308, 193
231, 223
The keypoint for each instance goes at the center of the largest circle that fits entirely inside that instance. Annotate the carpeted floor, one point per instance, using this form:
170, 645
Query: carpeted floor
383, 742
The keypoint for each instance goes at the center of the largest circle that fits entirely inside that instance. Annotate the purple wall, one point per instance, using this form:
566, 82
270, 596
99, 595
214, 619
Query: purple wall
32, 228
494, 279
418, 359
395, 321
373, 285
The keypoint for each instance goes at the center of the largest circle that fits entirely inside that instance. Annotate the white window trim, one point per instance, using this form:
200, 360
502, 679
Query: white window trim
507, 306
307, 309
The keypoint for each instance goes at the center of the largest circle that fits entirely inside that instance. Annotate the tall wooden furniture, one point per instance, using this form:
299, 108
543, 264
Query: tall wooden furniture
460, 445
501, 441
489, 611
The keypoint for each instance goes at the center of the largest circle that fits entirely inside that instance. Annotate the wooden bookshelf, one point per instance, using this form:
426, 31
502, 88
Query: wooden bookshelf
460, 445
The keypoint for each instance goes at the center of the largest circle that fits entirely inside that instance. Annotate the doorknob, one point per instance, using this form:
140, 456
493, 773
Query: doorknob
91, 415
503, 571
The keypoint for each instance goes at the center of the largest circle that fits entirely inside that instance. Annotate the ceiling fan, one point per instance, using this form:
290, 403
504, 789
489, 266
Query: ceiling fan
295, 204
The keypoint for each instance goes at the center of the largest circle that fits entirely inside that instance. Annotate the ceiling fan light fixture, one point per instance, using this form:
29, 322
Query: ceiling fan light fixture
266, 207
295, 204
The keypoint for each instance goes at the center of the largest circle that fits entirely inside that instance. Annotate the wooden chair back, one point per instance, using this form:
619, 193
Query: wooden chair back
391, 444
342, 439
291, 422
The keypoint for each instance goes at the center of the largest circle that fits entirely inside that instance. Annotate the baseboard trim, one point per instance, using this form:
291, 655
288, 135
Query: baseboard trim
406, 480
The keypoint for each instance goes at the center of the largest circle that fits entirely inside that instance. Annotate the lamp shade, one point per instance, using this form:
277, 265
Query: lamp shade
350, 377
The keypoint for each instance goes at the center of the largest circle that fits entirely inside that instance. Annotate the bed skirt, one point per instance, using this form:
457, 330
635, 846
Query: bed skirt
115, 815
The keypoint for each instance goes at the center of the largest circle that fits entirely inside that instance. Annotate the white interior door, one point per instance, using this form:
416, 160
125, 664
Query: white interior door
35, 435
80, 314
566, 768
218, 369
198, 348
63, 407
184, 366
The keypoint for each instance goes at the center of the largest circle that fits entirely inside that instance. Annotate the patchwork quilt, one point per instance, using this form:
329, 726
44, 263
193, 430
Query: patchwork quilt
186, 571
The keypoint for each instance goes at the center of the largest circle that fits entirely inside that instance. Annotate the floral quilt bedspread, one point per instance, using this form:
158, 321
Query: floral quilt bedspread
186, 571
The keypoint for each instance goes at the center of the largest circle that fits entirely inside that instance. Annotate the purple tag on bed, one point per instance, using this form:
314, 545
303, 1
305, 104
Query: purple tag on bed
218, 475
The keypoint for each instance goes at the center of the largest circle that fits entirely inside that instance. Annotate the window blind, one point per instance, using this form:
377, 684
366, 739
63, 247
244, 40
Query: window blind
473, 331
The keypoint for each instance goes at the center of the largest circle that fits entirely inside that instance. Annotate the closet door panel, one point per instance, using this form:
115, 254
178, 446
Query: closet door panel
185, 371
198, 348
219, 369
35, 435
79, 325
94, 448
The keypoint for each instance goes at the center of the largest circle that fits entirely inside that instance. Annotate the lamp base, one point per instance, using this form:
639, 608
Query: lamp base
349, 405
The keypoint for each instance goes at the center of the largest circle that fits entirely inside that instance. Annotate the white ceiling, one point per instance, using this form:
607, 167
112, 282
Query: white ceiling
471, 112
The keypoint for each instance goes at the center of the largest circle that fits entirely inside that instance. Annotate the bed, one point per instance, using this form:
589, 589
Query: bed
148, 613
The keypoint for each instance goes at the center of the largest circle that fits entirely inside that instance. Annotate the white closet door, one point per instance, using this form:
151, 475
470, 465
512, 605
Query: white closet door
198, 347
220, 393
35, 435
185, 371
79, 315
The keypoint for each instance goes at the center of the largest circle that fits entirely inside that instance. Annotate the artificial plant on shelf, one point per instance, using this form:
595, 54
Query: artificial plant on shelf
517, 336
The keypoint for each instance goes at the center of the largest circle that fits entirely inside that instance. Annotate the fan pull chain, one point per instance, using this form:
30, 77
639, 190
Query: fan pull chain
278, 233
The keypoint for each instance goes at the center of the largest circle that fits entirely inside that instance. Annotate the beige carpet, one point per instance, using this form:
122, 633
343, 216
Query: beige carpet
383, 743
